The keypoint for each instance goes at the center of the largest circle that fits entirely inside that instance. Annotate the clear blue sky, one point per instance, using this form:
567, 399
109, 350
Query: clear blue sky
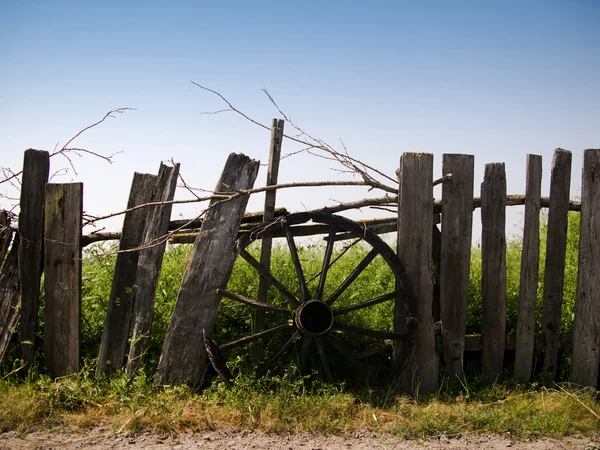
494, 79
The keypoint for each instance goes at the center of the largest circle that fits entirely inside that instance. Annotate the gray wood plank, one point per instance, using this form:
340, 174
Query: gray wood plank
457, 226
10, 298
556, 248
585, 362
415, 221
6, 235
62, 280
115, 335
493, 256
267, 240
530, 263
183, 358
149, 265
36, 167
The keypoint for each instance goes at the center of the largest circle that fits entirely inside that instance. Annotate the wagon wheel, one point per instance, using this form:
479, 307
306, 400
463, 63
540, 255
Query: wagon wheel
315, 320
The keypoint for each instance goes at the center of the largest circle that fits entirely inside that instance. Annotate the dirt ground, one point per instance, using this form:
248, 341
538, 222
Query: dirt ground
243, 439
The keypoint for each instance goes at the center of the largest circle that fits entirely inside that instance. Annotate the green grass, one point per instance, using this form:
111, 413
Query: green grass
288, 404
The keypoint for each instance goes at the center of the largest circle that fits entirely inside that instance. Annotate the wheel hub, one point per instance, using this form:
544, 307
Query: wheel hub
314, 318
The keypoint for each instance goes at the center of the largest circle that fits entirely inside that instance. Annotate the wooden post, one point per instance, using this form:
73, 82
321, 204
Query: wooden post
415, 221
267, 240
530, 263
183, 358
10, 300
457, 226
6, 235
149, 265
120, 303
585, 362
62, 281
556, 249
493, 256
36, 167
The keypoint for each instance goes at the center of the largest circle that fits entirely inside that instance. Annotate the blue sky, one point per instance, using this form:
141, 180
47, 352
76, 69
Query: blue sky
494, 79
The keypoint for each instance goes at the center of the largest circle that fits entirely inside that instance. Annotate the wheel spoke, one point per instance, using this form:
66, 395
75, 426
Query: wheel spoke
355, 273
296, 260
366, 304
368, 332
303, 355
255, 336
216, 359
250, 301
326, 260
324, 363
260, 372
266, 274
348, 355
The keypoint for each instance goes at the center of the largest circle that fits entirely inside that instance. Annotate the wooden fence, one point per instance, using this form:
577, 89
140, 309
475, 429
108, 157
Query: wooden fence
49, 239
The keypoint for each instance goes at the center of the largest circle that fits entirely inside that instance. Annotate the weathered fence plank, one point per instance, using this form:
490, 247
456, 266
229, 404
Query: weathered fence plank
36, 167
267, 240
585, 362
457, 226
415, 221
149, 265
120, 303
530, 263
62, 280
6, 234
556, 248
10, 300
183, 358
493, 262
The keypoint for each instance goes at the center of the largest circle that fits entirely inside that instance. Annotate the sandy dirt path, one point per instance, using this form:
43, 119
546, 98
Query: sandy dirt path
240, 440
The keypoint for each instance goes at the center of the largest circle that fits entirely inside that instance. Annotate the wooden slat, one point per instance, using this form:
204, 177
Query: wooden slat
120, 304
493, 256
149, 265
62, 280
556, 248
183, 358
10, 300
415, 221
585, 362
530, 263
267, 241
6, 235
36, 167
457, 225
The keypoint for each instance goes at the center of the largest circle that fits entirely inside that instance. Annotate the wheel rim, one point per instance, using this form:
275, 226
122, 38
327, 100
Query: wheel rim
316, 318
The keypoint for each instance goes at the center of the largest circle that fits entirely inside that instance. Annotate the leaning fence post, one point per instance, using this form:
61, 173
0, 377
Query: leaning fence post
493, 265
530, 263
36, 167
556, 249
62, 280
149, 265
10, 298
183, 358
585, 362
120, 303
415, 221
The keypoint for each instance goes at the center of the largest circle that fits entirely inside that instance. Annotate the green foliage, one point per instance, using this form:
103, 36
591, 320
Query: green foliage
514, 248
